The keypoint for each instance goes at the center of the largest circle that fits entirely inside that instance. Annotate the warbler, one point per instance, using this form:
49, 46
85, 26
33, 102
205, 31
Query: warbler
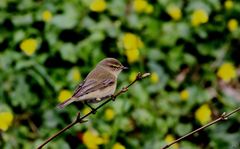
99, 84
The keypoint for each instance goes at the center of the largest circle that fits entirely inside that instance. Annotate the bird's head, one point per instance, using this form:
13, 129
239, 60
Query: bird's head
112, 65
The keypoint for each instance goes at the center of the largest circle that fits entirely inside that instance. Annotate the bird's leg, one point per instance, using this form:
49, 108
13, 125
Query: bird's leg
93, 109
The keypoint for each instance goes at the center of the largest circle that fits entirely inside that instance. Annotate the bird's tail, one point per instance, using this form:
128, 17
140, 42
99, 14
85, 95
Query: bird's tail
65, 103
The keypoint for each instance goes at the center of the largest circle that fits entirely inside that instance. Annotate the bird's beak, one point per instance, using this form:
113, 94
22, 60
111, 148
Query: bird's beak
123, 67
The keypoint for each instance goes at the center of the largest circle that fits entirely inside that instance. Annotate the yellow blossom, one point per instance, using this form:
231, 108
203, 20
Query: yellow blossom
169, 139
47, 16
232, 25
98, 5
226, 72
228, 4
132, 76
86, 110
64, 95
131, 41
132, 55
203, 114
184, 94
75, 74
118, 146
109, 114
198, 17
29, 46
175, 12
92, 140
149, 9
6, 119
140, 5
154, 77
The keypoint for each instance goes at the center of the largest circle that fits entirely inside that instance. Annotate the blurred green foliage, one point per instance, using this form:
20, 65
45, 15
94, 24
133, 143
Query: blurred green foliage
46, 44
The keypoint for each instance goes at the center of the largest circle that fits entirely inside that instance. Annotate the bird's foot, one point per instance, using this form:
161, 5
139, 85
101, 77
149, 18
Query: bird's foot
113, 97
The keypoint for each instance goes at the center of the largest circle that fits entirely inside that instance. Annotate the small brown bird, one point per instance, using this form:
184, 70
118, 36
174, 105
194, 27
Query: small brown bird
99, 84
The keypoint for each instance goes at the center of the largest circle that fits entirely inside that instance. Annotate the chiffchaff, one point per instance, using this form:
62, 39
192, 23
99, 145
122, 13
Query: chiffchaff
99, 84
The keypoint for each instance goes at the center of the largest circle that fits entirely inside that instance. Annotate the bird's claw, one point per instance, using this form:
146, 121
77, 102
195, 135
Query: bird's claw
124, 89
113, 97
93, 109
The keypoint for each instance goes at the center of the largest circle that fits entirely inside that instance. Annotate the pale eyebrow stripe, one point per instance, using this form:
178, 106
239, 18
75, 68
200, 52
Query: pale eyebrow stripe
115, 65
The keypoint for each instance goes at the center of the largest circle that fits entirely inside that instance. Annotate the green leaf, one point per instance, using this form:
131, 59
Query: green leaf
143, 117
25, 19
182, 129
68, 52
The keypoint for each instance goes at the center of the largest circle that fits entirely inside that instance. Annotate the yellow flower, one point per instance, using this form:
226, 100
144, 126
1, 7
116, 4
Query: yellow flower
140, 5
109, 114
132, 76
29, 46
184, 95
175, 12
98, 5
132, 55
118, 146
6, 119
169, 139
228, 4
92, 140
198, 17
203, 114
226, 72
75, 74
232, 25
64, 95
86, 110
149, 9
154, 77
131, 41
47, 16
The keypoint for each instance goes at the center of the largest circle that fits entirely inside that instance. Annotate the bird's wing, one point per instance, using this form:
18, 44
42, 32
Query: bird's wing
95, 83
78, 88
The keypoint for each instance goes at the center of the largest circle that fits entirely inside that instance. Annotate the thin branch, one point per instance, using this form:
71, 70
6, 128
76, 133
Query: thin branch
80, 119
223, 117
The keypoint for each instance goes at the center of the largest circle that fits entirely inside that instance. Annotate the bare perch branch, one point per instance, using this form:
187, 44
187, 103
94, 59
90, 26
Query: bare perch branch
223, 117
80, 119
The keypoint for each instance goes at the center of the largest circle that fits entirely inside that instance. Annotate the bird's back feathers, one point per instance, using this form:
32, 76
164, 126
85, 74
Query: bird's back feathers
96, 80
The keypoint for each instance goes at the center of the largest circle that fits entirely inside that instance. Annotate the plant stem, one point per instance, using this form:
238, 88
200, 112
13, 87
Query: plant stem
223, 117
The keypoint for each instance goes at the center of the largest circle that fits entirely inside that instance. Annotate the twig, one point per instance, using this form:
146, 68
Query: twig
80, 119
223, 117
32, 126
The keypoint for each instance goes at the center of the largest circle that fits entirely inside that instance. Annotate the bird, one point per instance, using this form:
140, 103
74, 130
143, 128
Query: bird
99, 84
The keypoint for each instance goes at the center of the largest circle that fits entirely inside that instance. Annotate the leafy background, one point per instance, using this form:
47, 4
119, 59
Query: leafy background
68, 38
